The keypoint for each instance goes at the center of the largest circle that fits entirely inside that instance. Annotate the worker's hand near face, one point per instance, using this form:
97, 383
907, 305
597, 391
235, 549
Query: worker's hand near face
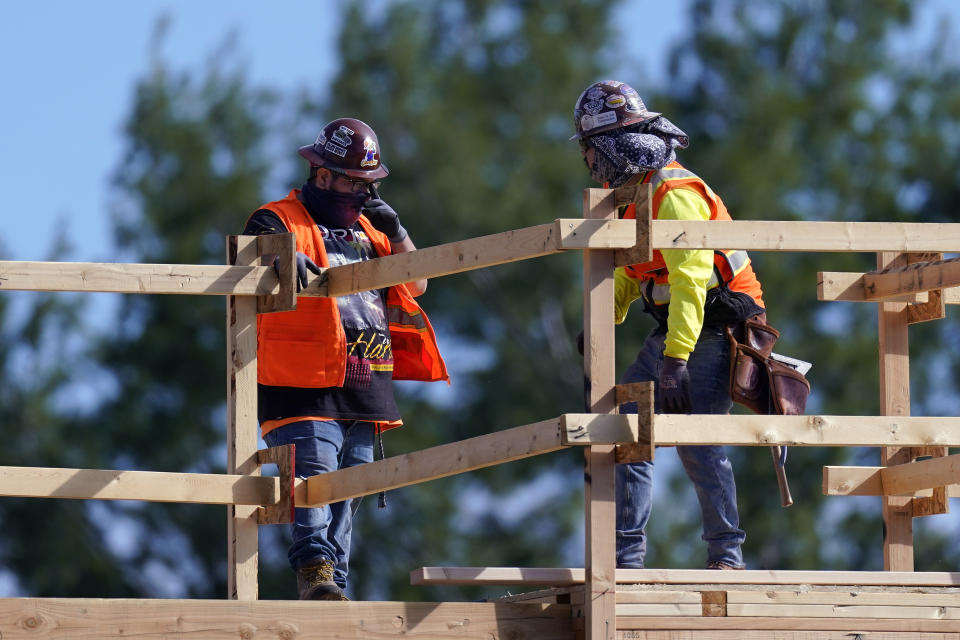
384, 219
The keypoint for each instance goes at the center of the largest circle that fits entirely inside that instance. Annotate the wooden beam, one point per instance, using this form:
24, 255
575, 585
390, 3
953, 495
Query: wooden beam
149, 486
643, 448
193, 279
95, 619
285, 458
283, 247
640, 196
857, 626
436, 462
599, 477
560, 235
845, 598
589, 429
242, 427
924, 474
894, 367
912, 278
866, 481
756, 235
806, 431
764, 634
703, 579
847, 286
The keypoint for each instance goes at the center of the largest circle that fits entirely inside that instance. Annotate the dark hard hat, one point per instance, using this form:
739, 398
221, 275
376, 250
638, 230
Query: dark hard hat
608, 105
348, 146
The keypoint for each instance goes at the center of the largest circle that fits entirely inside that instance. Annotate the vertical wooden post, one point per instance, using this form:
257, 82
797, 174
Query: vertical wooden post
599, 379
242, 427
895, 401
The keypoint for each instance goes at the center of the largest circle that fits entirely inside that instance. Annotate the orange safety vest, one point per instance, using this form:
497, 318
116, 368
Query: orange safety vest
307, 347
733, 265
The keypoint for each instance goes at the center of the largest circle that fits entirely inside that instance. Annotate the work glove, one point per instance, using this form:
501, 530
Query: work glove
304, 263
674, 386
384, 219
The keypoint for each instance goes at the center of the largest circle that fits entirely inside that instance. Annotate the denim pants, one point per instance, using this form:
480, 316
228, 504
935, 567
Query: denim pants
707, 466
321, 447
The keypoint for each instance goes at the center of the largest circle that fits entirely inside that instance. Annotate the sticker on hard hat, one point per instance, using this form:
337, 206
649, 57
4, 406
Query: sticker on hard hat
593, 106
615, 100
595, 92
335, 149
369, 153
342, 135
589, 122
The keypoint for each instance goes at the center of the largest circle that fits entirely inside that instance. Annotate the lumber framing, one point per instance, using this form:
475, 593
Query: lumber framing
705, 579
868, 481
150, 486
923, 474
912, 278
563, 234
444, 460
95, 619
806, 431
90, 277
757, 235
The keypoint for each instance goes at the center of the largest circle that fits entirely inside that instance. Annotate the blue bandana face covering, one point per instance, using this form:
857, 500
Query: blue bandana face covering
332, 209
620, 154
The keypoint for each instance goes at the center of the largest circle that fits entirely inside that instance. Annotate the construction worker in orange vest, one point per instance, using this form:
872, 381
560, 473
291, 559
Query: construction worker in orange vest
693, 295
325, 371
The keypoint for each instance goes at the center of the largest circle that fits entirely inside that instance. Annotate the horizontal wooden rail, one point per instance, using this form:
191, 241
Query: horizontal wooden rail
150, 486
868, 481
785, 628
98, 618
474, 253
911, 279
756, 235
211, 280
467, 455
812, 431
570, 576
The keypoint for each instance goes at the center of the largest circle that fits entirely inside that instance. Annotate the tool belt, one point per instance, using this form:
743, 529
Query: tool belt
758, 382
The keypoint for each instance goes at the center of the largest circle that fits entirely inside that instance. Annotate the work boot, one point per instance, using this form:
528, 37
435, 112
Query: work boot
723, 566
316, 583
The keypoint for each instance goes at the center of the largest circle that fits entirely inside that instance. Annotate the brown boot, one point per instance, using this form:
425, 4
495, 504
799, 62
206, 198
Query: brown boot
723, 566
316, 583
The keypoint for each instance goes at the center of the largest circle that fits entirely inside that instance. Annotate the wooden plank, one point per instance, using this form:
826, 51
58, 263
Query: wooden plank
894, 366
96, 619
599, 478
284, 457
866, 481
637, 597
575, 233
845, 598
844, 611
924, 474
856, 625
556, 577
644, 447
714, 634
642, 251
912, 278
283, 246
589, 429
848, 286
242, 427
756, 235
473, 253
659, 609
714, 603
436, 462
149, 486
812, 430
193, 279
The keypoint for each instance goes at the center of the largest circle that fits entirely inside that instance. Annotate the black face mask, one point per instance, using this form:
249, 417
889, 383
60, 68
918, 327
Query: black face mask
332, 209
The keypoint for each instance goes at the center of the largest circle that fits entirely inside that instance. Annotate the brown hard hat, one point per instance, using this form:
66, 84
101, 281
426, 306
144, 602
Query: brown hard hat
348, 146
608, 105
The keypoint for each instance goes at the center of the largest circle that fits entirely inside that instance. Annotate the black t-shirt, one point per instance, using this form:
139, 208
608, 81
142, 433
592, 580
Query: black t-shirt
367, 391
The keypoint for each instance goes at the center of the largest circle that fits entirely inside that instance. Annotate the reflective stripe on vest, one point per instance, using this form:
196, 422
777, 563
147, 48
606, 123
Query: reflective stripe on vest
400, 317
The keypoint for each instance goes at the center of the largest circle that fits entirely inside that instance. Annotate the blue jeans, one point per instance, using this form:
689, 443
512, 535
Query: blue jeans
322, 446
707, 466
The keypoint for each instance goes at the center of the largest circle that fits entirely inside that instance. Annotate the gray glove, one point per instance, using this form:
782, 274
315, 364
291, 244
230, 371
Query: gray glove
384, 219
304, 263
674, 386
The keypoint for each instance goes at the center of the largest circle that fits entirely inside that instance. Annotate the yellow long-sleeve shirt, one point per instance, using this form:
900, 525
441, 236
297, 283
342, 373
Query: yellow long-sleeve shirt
689, 271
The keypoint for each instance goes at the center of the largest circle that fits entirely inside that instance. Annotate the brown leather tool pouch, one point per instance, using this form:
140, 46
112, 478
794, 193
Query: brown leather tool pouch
758, 382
